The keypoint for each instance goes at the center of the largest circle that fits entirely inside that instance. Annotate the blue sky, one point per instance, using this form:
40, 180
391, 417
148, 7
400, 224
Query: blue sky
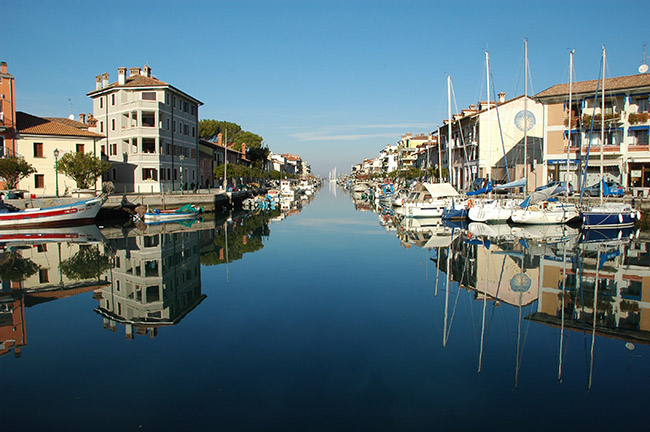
332, 81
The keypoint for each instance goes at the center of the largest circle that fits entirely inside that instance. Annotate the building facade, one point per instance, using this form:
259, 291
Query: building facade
7, 112
494, 142
150, 129
41, 141
624, 155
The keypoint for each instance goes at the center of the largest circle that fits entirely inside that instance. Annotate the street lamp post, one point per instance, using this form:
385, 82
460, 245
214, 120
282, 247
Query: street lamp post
56, 170
181, 157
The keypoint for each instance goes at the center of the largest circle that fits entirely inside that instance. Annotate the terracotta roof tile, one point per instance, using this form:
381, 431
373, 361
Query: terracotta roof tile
68, 122
28, 123
611, 84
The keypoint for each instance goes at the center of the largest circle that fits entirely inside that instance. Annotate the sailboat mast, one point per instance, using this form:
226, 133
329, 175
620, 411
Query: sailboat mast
489, 128
449, 125
526, 116
439, 157
602, 131
569, 126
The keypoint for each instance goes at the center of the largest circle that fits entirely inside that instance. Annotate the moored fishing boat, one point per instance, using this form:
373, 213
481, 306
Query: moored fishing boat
78, 213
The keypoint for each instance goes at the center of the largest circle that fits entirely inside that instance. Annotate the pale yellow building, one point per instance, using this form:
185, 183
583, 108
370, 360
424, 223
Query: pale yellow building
39, 138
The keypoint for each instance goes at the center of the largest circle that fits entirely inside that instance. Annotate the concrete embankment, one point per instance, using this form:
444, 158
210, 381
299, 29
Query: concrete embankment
120, 206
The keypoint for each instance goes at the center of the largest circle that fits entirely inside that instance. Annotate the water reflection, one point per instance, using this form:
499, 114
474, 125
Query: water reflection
143, 277
583, 282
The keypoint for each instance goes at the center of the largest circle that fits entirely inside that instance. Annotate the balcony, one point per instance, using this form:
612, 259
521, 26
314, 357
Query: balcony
637, 118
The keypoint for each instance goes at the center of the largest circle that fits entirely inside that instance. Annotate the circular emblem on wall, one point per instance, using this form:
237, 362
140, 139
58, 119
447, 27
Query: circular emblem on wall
529, 123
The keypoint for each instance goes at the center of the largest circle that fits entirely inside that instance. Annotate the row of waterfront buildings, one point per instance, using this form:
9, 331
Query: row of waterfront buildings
148, 129
497, 137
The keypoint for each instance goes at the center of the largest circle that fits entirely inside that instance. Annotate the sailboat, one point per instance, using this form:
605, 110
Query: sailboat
606, 215
492, 210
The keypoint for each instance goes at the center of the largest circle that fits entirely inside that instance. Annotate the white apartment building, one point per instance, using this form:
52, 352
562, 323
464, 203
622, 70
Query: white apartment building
151, 132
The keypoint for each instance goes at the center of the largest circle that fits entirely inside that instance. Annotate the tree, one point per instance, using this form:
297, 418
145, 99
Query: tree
14, 169
258, 157
83, 168
87, 263
14, 267
209, 129
252, 140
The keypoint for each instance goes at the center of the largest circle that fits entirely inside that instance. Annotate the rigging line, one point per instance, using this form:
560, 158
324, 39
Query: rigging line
453, 312
591, 131
460, 126
503, 145
496, 296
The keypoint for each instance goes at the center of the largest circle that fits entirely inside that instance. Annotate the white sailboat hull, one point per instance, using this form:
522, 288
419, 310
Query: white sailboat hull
552, 214
492, 211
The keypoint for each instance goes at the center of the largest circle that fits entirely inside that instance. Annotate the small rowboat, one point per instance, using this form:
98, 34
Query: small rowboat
157, 216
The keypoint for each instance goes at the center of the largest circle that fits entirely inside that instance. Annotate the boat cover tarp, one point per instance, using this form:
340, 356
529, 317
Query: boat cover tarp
485, 189
440, 190
538, 196
512, 185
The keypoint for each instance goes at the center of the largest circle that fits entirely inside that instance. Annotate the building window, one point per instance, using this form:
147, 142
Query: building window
149, 174
642, 104
38, 150
174, 125
41, 248
148, 119
193, 132
185, 130
39, 181
113, 149
43, 276
167, 124
101, 127
149, 96
167, 98
101, 102
169, 149
148, 145
114, 174
639, 137
80, 148
113, 124
113, 99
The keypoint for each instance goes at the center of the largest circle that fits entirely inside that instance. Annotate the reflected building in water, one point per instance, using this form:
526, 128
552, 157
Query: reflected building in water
606, 287
155, 282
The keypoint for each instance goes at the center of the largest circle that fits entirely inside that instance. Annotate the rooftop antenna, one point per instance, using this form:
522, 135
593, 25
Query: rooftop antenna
644, 67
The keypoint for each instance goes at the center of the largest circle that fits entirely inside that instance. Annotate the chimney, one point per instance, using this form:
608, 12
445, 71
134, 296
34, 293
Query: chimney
146, 71
134, 71
243, 149
82, 118
121, 75
3, 67
105, 79
98, 82
219, 138
502, 97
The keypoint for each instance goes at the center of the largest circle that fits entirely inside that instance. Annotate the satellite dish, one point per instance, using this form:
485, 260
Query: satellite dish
643, 68
71, 116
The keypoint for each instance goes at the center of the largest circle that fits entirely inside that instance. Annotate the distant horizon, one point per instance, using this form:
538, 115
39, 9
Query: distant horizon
331, 81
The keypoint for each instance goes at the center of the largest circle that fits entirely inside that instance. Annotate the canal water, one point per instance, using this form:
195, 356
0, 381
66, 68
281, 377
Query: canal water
327, 315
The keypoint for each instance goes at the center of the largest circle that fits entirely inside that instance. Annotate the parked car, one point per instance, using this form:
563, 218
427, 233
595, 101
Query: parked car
561, 187
613, 189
